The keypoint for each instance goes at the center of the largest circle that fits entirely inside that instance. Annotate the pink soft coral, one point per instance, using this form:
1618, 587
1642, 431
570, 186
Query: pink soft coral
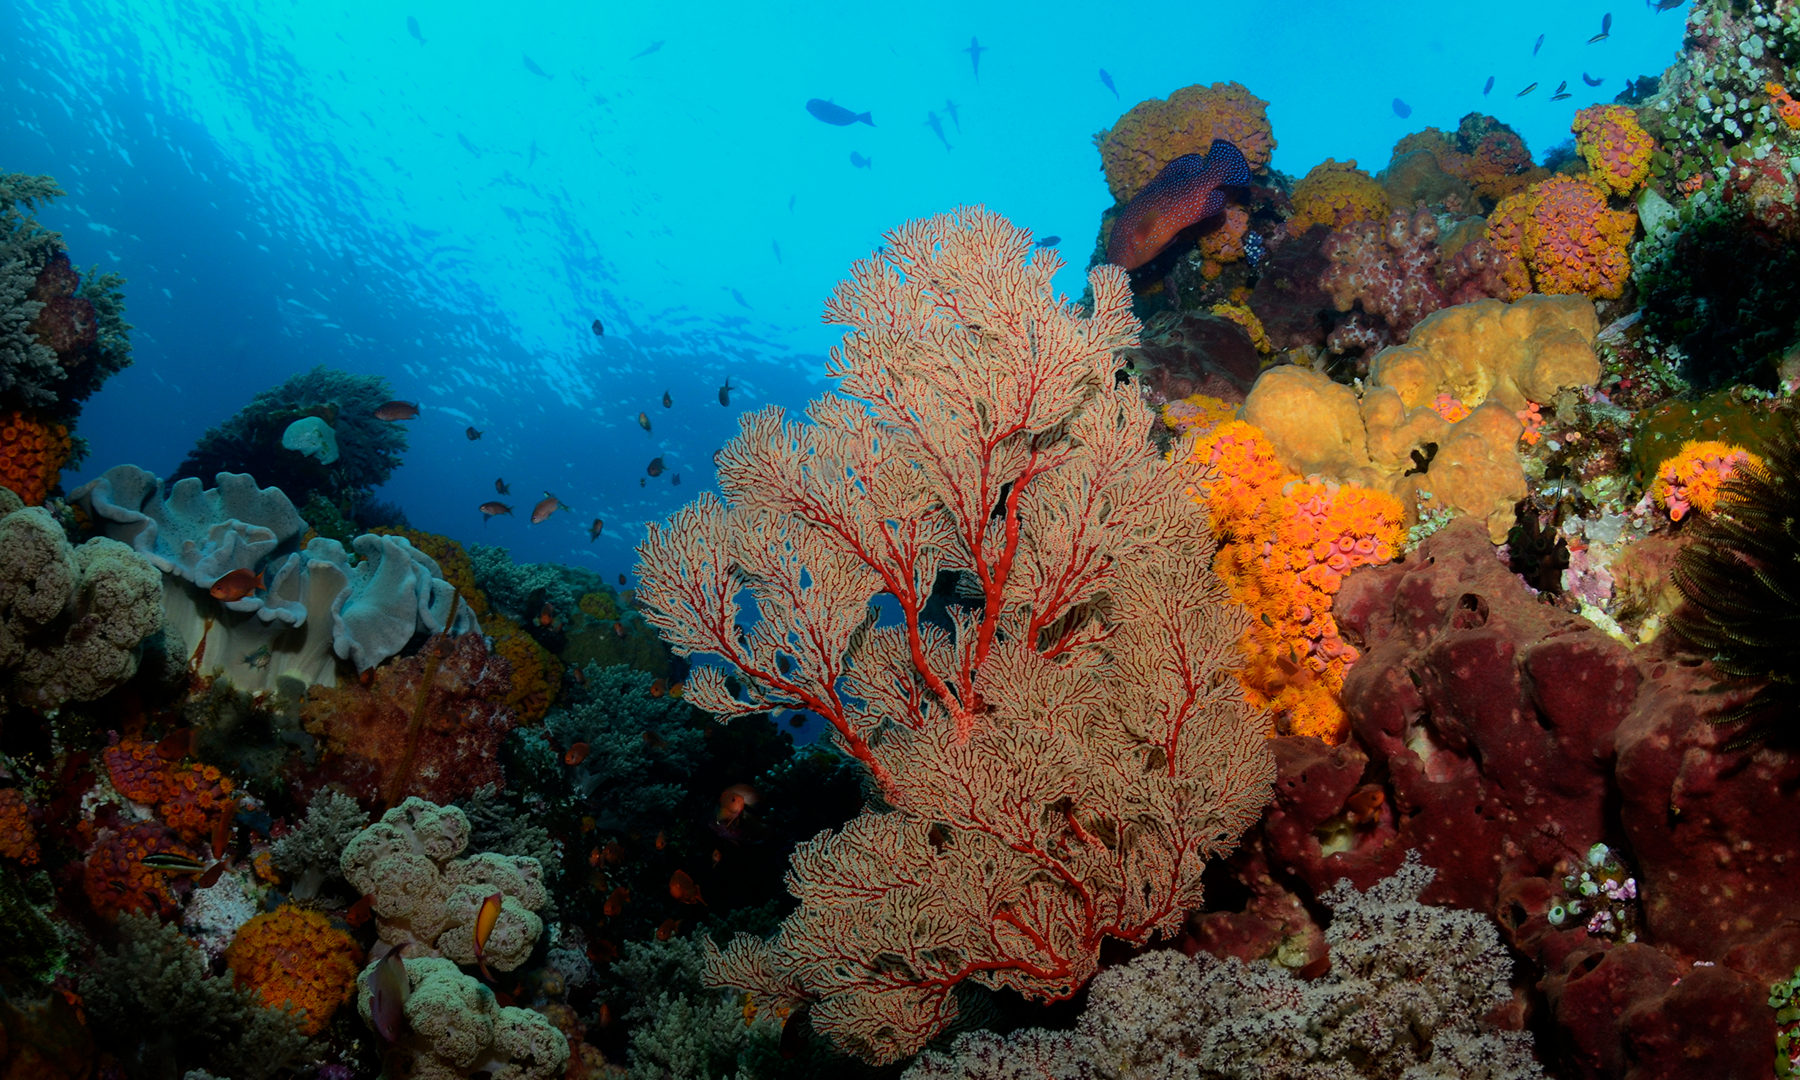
1389, 267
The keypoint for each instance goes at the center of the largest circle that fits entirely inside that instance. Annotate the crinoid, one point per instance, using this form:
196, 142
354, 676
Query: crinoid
1741, 579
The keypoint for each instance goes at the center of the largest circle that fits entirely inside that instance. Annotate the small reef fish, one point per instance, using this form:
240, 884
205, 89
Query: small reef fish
211, 877
614, 852
546, 506
654, 46
615, 903
675, 480
725, 394
659, 688
1660, 6
412, 27
621, 579
1402, 109
1560, 97
644, 420
1315, 969
176, 744
734, 799
950, 110
397, 410
546, 616
1561, 86
531, 66
599, 328
1591, 81
857, 161
388, 990
326, 412
619, 629
490, 509
1527, 90
1605, 29
172, 863
1488, 87
485, 918
594, 530
683, 888
1048, 242
676, 691
975, 50
467, 145
1106, 81
655, 468
1184, 193
501, 486
743, 303
776, 244
236, 585
836, 114
717, 856
667, 929
1562, 91
472, 433
259, 659
1539, 45
937, 127
662, 840
668, 402
221, 836
1362, 806
359, 912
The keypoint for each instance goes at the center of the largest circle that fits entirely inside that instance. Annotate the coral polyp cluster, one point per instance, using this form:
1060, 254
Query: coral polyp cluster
1156, 132
32, 454
296, 959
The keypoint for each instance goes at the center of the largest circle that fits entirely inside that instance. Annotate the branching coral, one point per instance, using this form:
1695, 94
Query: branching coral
1056, 748
294, 958
1560, 237
454, 1028
1156, 132
638, 745
308, 855
1336, 194
1616, 148
1691, 479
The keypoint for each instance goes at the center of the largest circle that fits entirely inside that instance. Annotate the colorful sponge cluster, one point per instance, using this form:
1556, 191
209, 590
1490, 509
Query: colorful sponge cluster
1336, 194
1560, 237
188, 798
1224, 244
1156, 132
32, 454
1615, 146
18, 837
1287, 545
295, 957
1691, 479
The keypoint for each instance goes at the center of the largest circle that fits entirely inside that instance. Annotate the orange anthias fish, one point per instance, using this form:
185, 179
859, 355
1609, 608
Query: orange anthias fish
1362, 806
388, 990
494, 509
659, 688
359, 911
662, 840
547, 616
546, 506
614, 852
644, 420
734, 799
616, 902
397, 410
1184, 193
594, 530
236, 585
683, 889
667, 929
575, 754
485, 918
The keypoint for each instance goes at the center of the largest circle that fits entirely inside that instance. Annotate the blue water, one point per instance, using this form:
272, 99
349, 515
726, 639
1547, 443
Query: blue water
289, 184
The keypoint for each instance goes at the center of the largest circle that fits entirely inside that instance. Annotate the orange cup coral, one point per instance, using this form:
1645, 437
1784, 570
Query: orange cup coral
1691, 479
188, 798
1336, 193
1156, 132
1615, 146
1560, 237
295, 957
32, 454
18, 837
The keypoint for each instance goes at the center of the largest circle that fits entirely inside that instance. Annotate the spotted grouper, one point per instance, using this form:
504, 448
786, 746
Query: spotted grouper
1184, 193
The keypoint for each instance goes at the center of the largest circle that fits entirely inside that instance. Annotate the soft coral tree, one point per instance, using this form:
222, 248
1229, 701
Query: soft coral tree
1055, 743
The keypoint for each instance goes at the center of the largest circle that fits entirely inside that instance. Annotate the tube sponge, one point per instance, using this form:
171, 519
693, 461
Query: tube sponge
456, 1028
71, 619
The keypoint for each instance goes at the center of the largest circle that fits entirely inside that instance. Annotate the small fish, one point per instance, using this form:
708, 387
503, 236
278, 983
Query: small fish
683, 888
485, 918
599, 328
594, 530
546, 616
1660, 6
1591, 81
932, 122
677, 690
1186, 192
1048, 242
734, 799
501, 486
172, 863
1527, 90
655, 468
1106, 81
797, 720
176, 744
221, 836
621, 579
950, 110
668, 402
776, 244
1489, 86
1597, 38
836, 114
662, 840
667, 929
412, 27
619, 629
616, 902
594, 860
654, 46
211, 877
1362, 806
604, 952
1562, 86
388, 990
1315, 969
1539, 45
327, 413
975, 50
725, 394
643, 482
467, 145
397, 410
531, 66
1402, 109
717, 856
1561, 97
472, 433
359, 912
659, 688
546, 506
644, 420
236, 585
490, 509
675, 480
604, 1017
614, 852
857, 161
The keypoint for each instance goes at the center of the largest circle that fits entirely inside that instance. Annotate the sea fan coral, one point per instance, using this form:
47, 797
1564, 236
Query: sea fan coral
1156, 132
296, 958
1691, 479
1336, 194
32, 454
1616, 148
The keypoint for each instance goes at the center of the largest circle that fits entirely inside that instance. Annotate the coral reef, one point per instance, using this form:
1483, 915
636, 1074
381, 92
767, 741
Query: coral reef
1616, 148
308, 855
188, 798
115, 879
1483, 153
1156, 132
32, 454
1559, 236
455, 1028
1336, 195
18, 836
1691, 479
295, 959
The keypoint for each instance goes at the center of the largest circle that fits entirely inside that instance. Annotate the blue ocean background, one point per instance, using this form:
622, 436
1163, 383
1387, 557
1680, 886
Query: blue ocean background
292, 184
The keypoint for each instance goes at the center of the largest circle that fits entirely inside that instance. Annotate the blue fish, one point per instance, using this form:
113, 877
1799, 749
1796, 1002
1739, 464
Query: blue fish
777, 246
531, 66
739, 297
836, 114
858, 161
950, 107
975, 50
1489, 86
1402, 109
1539, 45
1591, 81
652, 47
412, 27
466, 144
1106, 81
931, 121
1048, 242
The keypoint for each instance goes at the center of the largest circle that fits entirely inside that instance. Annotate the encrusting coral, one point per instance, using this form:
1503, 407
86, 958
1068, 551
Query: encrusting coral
1559, 236
188, 798
454, 1028
1616, 148
295, 958
1156, 132
1054, 739
1336, 194
32, 454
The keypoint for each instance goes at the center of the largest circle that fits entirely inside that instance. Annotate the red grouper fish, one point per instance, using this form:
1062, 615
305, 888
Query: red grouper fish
1185, 193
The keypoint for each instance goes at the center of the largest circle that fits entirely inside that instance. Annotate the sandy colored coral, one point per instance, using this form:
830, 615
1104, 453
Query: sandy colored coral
32, 453
1615, 146
1482, 152
1691, 479
1156, 132
295, 957
1336, 194
454, 1027
1560, 237
18, 836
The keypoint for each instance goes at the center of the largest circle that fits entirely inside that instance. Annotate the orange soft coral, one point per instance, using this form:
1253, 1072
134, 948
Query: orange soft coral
1559, 237
1691, 479
32, 454
1337, 194
18, 837
1156, 132
1235, 471
296, 958
115, 878
1615, 146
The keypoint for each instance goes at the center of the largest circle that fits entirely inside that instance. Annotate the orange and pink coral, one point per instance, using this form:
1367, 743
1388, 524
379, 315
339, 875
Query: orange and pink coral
1336, 194
1615, 146
18, 836
1692, 478
1560, 237
32, 454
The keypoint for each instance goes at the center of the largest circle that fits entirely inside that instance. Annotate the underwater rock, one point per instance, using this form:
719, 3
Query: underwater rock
1183, 354
312, 436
